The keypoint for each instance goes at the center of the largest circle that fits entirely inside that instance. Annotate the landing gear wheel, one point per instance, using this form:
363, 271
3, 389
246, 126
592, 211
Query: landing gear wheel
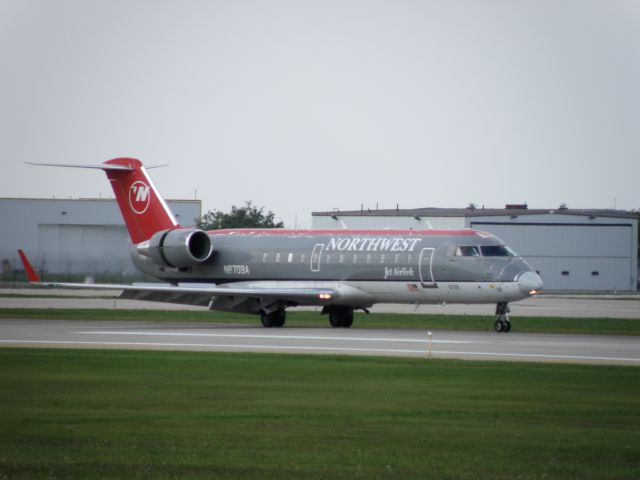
341, 318
273, 319
279, 317
347, 320
502, 325
266, 319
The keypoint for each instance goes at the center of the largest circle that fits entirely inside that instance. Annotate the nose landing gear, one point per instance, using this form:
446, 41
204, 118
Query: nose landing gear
502, 322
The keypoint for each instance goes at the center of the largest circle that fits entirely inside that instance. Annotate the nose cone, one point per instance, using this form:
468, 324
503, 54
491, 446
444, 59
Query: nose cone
529, 283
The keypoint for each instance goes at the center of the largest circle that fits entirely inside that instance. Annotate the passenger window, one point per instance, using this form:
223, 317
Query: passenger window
468, 252
277, 257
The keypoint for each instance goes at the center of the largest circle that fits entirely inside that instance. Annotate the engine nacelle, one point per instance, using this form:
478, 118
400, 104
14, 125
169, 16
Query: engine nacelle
178, 248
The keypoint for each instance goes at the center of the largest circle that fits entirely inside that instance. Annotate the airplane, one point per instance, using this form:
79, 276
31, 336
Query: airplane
267, 271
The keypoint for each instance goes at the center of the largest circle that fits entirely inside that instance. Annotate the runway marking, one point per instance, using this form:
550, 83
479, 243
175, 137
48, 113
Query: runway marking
280, 337
335, 349
212, 345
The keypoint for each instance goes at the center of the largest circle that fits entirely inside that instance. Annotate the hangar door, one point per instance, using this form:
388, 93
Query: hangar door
85, 249
573, 256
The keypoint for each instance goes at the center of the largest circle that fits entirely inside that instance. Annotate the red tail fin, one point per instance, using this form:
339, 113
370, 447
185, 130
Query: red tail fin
32, 276
144, 210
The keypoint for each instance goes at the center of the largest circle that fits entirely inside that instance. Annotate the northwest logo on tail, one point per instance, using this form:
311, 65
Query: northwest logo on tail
139, 197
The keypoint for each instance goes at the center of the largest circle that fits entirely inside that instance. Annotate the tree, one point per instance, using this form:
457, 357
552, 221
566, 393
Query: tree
247, 216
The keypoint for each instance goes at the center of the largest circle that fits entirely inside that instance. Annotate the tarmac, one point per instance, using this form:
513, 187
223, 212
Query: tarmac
514, 346
556, 348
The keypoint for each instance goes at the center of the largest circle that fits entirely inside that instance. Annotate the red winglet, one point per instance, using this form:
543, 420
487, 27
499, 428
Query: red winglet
32, 276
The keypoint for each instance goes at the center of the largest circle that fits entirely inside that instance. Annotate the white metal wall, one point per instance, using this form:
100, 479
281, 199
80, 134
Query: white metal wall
574, 256
82, 249
65, 236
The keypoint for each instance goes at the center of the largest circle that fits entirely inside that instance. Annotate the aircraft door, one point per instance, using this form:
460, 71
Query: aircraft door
315, 257
426, 267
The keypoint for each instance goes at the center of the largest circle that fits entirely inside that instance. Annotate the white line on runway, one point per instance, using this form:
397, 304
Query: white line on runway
212, 345
281, 337
335, 349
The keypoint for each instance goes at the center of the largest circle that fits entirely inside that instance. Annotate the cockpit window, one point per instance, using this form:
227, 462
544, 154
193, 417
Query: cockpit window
467, 252
497, 251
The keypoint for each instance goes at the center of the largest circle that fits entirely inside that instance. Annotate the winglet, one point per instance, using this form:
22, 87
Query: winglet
32, 276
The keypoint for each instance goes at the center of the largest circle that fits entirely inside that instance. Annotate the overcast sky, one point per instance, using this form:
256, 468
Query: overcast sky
308, 106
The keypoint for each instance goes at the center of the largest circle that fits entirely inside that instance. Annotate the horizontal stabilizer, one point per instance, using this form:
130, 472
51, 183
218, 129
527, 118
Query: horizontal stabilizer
98, 166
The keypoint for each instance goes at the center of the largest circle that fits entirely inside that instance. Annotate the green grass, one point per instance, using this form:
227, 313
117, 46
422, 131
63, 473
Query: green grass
477, 323
124, 414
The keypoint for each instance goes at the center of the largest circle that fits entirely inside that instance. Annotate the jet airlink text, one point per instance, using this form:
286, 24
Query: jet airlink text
398, 272
372, 244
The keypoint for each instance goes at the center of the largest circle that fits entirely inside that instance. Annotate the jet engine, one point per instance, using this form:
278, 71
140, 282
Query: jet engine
177, 248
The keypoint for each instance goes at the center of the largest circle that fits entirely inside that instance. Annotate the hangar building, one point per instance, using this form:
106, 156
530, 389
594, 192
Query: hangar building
65, 237
582, 250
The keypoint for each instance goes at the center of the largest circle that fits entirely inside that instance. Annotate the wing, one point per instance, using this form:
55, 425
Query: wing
246, 298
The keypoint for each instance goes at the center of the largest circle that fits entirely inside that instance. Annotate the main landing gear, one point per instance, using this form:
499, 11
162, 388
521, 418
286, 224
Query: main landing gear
502, 322
275, 318
340, 317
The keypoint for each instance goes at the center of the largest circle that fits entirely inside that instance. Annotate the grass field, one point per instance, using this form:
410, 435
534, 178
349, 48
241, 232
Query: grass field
125, 414
477, 323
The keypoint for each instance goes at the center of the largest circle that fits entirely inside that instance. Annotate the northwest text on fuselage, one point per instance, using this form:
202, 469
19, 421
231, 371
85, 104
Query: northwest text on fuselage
372, 244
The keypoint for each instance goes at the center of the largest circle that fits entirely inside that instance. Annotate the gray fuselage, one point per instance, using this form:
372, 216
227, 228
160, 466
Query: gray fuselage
406, 266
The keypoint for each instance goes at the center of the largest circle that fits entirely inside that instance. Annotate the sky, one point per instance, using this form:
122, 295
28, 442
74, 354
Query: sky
303, 106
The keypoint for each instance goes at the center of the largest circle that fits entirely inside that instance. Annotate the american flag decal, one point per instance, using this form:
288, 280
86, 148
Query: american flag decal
412, 287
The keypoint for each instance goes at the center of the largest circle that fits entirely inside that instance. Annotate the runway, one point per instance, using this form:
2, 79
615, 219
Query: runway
241, 338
